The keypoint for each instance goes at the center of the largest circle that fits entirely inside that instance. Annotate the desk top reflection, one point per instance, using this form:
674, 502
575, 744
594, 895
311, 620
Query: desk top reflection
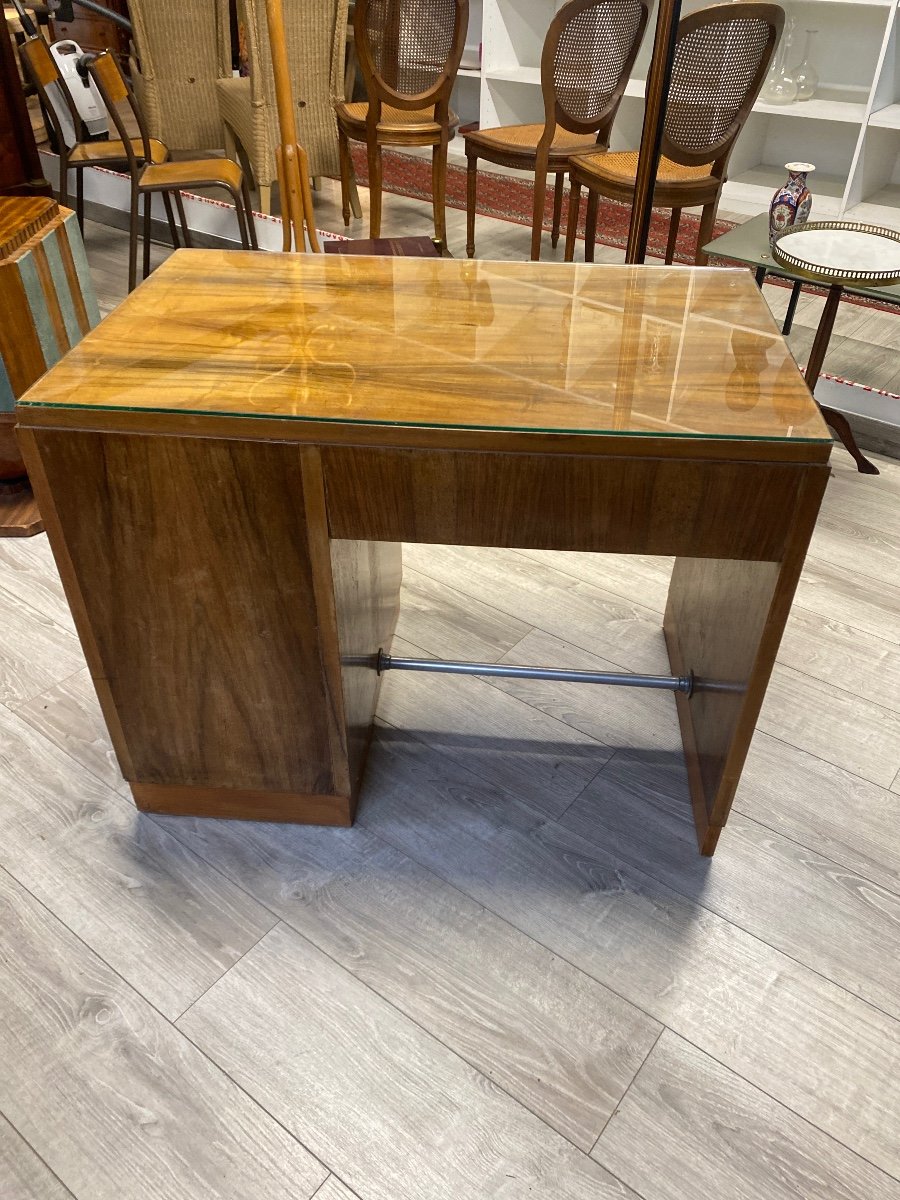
438, 343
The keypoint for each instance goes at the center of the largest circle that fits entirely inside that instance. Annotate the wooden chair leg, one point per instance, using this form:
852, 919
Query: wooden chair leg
170, 217
672, 243
557, 208
133, 237
707, 224
537, 212
374, 155
355, 206
346, 171
148, 197
841, 427
590, 226
572, 218
439, 190
471, 201
185, 229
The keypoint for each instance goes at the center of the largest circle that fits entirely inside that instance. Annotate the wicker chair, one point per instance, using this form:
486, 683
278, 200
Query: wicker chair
409, 52
588, 54
721, 58
316, 34
166, 177
182, 50
76, 153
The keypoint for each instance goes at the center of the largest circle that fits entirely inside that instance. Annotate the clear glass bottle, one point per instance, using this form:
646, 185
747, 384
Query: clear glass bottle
805, 75
780, 86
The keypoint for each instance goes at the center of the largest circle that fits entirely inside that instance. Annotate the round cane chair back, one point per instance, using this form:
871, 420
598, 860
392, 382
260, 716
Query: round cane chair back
721, 58
409, 50
588, 54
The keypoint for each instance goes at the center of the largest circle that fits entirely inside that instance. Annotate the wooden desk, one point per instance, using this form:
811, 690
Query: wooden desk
227, 466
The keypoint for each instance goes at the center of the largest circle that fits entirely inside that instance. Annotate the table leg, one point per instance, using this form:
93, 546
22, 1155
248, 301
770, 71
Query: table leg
760, 274
791, 308
837, 421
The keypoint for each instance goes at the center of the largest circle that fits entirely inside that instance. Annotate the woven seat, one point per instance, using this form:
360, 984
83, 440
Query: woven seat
148, 176
722, 54
401, 119
409, 52
587, 57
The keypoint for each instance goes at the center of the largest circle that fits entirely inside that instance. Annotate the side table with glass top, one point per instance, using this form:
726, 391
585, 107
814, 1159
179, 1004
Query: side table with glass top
749, 243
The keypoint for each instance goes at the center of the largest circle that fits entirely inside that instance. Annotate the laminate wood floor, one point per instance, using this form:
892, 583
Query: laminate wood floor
513, 977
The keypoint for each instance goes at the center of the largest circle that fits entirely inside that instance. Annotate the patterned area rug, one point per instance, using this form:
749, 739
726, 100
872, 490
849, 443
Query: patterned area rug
510, 198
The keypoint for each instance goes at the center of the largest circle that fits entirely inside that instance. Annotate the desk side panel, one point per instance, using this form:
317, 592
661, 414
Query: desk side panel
199, 574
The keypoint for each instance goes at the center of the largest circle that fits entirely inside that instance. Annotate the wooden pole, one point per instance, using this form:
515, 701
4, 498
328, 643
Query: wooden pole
292, 163
658, 79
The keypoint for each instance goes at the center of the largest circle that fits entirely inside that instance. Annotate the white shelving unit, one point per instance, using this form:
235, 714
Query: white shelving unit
850, 129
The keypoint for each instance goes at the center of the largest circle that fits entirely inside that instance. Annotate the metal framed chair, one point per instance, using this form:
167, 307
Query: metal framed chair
409, 53
721, 58
587, 58
165, 177
76, 152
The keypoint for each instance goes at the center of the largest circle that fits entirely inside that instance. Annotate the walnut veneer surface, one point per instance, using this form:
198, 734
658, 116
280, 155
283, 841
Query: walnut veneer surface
664, 351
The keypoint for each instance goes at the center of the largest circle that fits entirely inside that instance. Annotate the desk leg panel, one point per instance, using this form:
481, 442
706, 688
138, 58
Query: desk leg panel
724, 621
200, 575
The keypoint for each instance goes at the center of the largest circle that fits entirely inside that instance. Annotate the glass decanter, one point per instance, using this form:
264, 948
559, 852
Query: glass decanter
780, 86
806, 77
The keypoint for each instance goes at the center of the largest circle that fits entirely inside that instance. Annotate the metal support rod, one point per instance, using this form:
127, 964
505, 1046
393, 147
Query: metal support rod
674, 683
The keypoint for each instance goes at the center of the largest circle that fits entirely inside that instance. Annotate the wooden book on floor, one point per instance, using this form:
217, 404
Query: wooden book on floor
403, 247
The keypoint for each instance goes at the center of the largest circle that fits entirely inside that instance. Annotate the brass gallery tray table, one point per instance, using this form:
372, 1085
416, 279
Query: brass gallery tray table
227, 465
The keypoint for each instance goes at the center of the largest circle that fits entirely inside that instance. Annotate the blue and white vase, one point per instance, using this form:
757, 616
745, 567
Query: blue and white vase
792, 203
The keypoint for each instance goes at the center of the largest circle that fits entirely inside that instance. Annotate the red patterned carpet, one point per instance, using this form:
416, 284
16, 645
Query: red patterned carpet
509, 198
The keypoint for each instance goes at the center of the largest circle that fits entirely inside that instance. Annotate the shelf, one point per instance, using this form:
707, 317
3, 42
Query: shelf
752, 191
530, 75
843, 111
886, 118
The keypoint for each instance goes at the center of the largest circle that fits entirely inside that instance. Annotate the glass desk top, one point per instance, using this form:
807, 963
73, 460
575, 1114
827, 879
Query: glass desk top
552, 347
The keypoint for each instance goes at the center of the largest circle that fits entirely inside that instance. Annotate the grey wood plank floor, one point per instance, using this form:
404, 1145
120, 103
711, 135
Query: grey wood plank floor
513, 977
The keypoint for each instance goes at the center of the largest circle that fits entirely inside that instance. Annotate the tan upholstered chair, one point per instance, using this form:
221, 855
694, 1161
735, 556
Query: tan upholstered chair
588, 54
409, 52
166, 177
76, 152
722, 54
316, 35
182, 49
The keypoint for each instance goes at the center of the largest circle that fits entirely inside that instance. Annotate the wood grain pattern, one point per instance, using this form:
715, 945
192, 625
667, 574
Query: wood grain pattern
158, 915
837, 922
35, 653
784, 1028
333, 1189
556, 502
560, 1043
19, 515
116, 1101
445, 620
22, 1174
180, 621
351, 1052
233, 323
704, 1134
28, 575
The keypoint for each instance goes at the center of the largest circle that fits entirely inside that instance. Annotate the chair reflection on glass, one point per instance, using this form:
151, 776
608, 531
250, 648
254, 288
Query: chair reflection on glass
588, 54
722, 54
409, 52
168, 178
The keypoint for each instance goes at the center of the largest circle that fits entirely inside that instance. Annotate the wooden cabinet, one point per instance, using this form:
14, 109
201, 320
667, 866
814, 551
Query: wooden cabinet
93, 32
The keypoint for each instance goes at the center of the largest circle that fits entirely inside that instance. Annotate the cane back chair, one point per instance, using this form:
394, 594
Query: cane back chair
409, 52
76, 152
165, 177
588, 54
722, 54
